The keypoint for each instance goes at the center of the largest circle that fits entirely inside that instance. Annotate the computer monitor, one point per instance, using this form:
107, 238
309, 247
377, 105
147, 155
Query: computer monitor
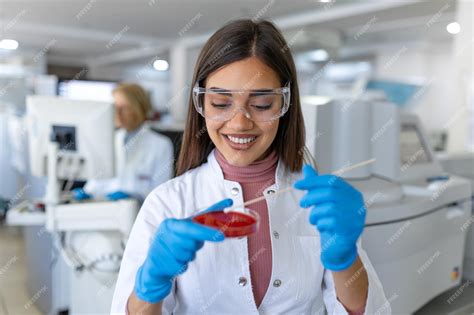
84, 131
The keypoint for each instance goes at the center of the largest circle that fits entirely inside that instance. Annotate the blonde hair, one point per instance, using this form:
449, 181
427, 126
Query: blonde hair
137, 97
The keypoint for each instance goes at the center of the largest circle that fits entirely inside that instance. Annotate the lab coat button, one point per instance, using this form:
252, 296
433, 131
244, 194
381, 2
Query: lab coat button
277, 283
242, 281
234, 191
270, 192
276, 234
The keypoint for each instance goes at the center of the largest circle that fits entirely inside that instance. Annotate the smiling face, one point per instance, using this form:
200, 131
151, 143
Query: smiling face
241, 140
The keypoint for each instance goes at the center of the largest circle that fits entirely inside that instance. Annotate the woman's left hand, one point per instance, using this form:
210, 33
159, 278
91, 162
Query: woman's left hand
338, 212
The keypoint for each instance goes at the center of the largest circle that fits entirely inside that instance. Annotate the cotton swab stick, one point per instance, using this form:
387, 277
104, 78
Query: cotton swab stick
284, 190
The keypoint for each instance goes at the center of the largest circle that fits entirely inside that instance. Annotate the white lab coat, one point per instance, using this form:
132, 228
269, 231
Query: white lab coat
218, 280
141, 164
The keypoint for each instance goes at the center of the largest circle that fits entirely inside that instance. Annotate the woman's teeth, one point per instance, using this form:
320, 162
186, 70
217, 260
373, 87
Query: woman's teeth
241, 140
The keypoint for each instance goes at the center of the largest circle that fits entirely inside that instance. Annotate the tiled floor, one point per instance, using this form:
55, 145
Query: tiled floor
457, 301
14, 298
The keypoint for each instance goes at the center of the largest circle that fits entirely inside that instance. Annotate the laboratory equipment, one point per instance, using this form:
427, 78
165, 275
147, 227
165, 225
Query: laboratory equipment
70, 140
413, 232
232, 223
462, 164
397, 92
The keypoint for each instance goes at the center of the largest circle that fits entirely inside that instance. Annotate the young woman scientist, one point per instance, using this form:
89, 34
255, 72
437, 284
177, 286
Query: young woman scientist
244, 138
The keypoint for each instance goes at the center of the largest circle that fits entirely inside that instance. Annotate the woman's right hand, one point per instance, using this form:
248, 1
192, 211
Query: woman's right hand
80, 194
174, 246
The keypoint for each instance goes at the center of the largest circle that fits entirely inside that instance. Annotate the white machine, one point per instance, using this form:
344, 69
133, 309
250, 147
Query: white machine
415, 213
462, 164
69, 140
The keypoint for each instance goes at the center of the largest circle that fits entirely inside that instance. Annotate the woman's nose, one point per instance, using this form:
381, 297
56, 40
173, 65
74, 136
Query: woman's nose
241, 120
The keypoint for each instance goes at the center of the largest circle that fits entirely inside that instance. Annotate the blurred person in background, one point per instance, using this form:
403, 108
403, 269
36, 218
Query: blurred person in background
143, 158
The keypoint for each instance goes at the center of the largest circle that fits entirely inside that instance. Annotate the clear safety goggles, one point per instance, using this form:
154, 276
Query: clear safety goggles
260, 105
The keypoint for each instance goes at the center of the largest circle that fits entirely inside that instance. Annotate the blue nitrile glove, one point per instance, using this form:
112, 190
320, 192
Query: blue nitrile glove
338, 212
174, 246
80, 194
117, 195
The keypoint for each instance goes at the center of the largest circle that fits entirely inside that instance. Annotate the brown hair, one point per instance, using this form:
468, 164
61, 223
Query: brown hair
137, 97
236, 41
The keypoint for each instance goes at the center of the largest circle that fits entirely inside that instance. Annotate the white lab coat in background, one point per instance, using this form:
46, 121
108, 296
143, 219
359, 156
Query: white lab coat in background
218, 280
141, 164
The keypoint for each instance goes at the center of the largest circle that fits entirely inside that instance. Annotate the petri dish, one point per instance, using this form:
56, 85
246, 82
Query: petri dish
235, 223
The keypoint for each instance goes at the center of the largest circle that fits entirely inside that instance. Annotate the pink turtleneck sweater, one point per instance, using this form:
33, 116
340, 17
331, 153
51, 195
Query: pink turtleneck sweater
254, 179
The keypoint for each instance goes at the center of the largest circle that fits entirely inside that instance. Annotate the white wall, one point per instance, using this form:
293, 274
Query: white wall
440, 103
17, 71
156, 83
464, 77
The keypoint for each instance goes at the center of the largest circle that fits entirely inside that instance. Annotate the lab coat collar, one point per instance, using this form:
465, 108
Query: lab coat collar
137, 133
144, 125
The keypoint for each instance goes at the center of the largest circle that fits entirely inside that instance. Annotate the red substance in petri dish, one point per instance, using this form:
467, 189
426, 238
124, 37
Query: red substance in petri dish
232, 224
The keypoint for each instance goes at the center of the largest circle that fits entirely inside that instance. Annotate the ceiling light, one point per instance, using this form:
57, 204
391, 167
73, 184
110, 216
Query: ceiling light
453, 28
9, 44
319, 55
160, 65
315, 100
